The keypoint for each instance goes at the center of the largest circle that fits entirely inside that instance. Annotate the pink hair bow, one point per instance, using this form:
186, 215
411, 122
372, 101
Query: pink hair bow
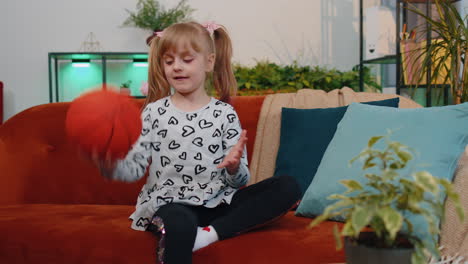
158, 34
211, 27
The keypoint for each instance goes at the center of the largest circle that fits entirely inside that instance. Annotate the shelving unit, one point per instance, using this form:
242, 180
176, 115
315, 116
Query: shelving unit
393, 62
72, 73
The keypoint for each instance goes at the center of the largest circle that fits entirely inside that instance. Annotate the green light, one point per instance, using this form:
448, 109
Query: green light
140, 56
81, 56
80, 63
140, 63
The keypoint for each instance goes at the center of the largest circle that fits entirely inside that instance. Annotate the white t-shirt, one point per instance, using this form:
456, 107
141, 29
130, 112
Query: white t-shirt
184, 149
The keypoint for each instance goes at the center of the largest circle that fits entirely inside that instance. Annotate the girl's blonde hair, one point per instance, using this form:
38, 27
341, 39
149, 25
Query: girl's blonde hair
198, 37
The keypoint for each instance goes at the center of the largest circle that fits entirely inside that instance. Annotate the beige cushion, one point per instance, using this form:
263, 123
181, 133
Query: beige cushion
454, 236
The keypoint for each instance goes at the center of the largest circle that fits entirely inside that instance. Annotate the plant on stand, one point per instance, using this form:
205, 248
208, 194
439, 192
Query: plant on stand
151, 15
447, 56
377, 213
125, 87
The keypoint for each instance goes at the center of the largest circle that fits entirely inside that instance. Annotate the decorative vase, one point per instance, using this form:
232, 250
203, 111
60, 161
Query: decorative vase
359, 253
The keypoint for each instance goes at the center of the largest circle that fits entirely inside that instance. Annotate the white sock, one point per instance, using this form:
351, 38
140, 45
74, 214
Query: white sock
205, 236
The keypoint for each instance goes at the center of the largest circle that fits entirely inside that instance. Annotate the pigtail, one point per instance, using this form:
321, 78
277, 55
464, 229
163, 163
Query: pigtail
158, 87
224, 81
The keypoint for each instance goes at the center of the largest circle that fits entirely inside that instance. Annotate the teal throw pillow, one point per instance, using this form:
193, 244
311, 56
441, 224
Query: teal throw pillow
305, 135
437, 134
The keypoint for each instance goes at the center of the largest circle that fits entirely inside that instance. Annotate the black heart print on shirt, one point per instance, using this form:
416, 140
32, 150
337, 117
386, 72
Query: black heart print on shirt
161, 111
213, 175
216, 113
224, 145
145, 131
183, 156
147, 118
173, 121
187, 178
232, 133
174, 145
199, 169
187, 131
163, 200
194, 198
213, 148
203, 186
198, 156
166, 103
155, 124
142, 222
150, 190
204, 124
218, 160
190, 117
198, 141
178, 167
148, 198
162, 133
217, 133
165, 161
148, 145
231, 117
168, 182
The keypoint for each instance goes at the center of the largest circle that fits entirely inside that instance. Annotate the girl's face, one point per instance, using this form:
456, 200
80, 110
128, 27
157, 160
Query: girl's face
186, 69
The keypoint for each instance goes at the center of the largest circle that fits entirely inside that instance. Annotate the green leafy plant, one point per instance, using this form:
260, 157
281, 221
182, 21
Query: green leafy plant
153, 16
268, 77
126, 84
387, 197
449, 53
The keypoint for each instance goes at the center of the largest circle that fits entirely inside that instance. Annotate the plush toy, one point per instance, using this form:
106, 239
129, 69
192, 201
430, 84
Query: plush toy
105, 122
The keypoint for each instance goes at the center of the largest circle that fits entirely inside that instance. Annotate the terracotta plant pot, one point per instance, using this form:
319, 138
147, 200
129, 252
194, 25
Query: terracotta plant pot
125, 91
363, 253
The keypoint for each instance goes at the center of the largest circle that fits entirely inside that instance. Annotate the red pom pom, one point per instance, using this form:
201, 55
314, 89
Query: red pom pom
103, 121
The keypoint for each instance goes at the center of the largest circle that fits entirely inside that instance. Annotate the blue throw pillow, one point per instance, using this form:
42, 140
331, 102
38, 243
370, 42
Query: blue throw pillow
438, 134
305, 135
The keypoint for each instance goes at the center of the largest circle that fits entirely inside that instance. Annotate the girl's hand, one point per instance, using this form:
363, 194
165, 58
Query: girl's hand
106, 166
232, 160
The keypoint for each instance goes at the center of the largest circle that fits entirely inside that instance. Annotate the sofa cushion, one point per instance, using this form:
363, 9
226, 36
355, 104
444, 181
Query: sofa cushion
438, 134
305, 135
42, 233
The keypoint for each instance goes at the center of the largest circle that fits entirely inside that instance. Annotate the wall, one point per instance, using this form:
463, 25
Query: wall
315, 32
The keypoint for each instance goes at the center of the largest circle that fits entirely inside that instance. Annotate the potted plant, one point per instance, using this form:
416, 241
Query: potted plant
376, 213
125, 87
151, 15
446, 56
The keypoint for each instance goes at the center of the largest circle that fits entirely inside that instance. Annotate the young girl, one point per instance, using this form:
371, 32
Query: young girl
195, 149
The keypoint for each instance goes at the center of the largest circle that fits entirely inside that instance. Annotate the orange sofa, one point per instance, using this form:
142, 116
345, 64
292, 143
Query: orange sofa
56, 208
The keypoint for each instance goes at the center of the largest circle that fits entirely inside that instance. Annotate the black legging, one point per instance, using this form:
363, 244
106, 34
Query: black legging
250, 207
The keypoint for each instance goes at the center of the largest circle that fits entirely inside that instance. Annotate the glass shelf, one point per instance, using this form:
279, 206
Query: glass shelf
73, 73
389, 59
385, 63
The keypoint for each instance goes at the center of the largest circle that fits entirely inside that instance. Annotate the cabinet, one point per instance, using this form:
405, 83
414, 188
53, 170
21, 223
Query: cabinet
71, 74
381, 23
